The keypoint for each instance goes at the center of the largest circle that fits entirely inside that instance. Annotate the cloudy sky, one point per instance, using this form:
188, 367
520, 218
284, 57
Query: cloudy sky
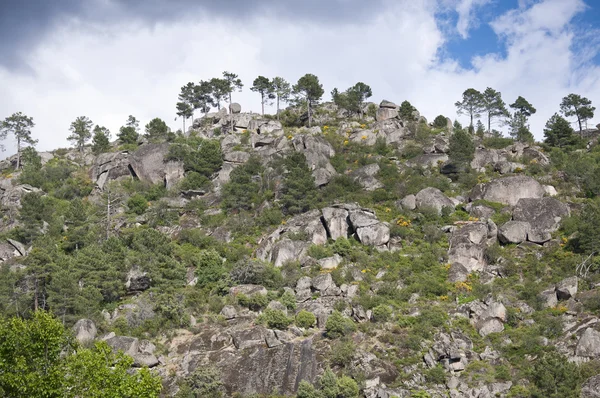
107, 59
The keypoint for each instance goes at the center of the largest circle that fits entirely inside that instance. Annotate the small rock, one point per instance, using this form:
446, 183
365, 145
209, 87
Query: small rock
589, 344
229, 312
330, 262
567, 288
84, 331
271, 339
549, 299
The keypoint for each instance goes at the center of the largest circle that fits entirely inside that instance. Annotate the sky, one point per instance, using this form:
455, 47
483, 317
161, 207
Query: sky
107, 59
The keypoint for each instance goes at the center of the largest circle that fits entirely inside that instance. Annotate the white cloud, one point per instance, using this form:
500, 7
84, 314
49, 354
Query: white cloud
467, 19
107, 73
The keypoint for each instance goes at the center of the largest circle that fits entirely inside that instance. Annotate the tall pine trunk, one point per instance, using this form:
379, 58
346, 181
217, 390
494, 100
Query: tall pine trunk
262, 102
278, 107
309, 115
18, 153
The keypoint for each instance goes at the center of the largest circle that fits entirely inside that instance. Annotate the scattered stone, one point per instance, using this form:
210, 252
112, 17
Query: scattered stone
589, 344
229, 312
567, 288
84, 331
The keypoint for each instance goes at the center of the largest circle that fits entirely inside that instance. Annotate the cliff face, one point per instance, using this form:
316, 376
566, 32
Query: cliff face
375, 254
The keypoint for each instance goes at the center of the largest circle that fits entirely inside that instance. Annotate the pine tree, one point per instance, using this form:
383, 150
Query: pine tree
81, 132
471, 105
128, 134
19, 125
558, 132
461, 149
156, 130
100, 140
282, 91
299, 192
578, 106
310, 90
265, 88
494, 106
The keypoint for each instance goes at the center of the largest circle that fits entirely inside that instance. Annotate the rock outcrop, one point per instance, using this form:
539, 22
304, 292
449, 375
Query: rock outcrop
508, 190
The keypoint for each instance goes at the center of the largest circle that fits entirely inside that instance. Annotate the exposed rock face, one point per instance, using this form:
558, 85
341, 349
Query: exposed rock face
365, 176
591, 388
432, 198
142, 352
368, 229
468, 243
147, 163
336, 221
567, 288
589, 344
508, 190
10, 197
543, 215
513, 232
84, 331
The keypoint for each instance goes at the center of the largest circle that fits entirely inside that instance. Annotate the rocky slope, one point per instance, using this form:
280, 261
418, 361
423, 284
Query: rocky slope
450, 288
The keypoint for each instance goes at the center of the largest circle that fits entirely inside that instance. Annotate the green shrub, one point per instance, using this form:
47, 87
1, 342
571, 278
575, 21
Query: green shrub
338, 325
342, 353
274, 319
436, 375
255, 302
137, 204
288, 299
440, 122
382, 313
305, 319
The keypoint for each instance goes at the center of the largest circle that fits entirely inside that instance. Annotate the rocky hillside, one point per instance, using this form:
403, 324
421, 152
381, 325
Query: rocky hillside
371, 257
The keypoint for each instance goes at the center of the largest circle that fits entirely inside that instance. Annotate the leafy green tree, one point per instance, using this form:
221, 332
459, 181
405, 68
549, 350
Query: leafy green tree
479, 128
587, 239
219, 90
81, 132
578, 106
156, 130
233, 83
32, 168
305, 319
198, 155
39, 358
184, 111
209, 267
310, 90
30, 352
558, 132
493, 106
97, 372
299, 192
128, 134
440, 122
406, 110
472, 105
101, 140
353, 98
519, 129
202, 98
137, 204
265, 88
461, 149
282, 91
243, 190
19, 125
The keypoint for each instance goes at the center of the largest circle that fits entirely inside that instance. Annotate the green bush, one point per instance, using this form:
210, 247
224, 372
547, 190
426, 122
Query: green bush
440, 122
305, 319
137, 204
274, 319
436, 375
338, 325
382, 313
342, 353
288, 299
256, 302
